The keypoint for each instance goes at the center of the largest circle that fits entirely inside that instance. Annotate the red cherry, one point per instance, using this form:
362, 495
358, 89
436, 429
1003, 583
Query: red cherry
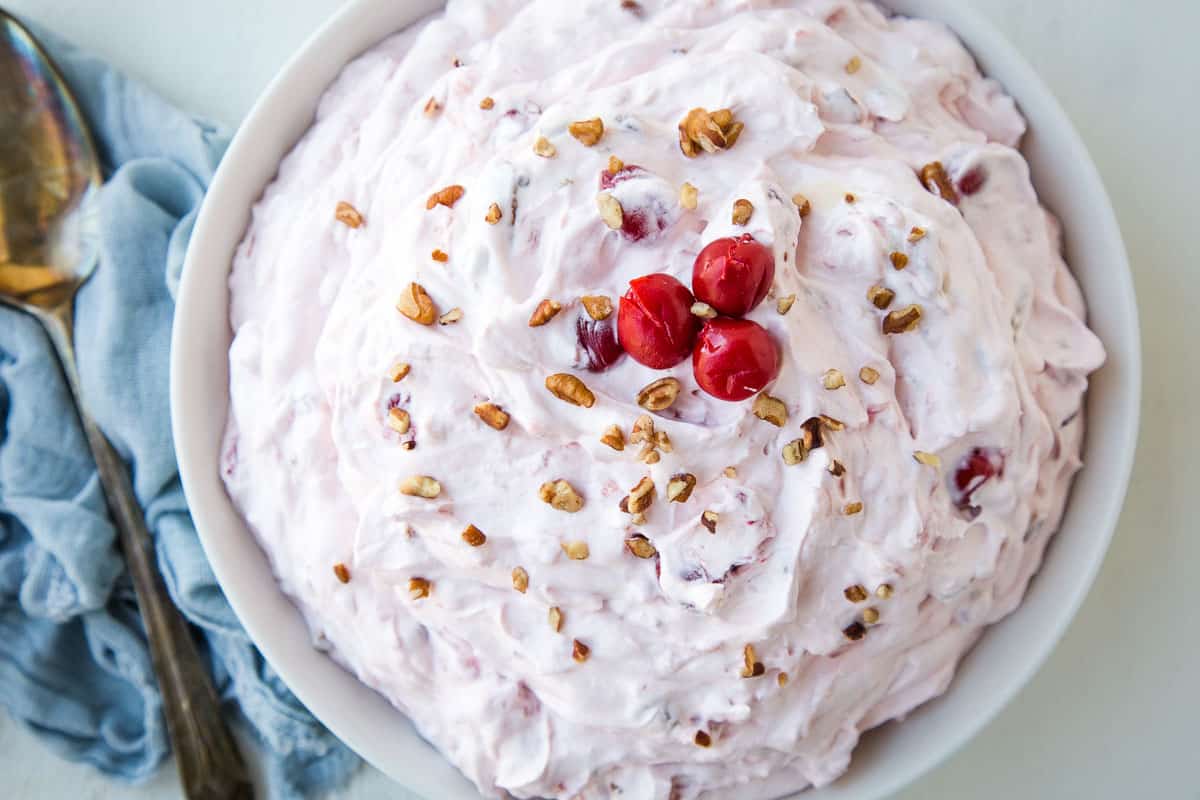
972, 181
733, 275
974, 470
597, 346
734, 358
655, 323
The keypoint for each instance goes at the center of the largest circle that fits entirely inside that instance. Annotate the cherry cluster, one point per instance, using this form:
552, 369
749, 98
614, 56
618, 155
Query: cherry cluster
733, 358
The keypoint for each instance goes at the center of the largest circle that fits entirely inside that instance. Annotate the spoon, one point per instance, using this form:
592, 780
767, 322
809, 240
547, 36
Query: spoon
49, 179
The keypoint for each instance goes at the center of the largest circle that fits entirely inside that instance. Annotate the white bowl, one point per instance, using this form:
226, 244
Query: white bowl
889, 757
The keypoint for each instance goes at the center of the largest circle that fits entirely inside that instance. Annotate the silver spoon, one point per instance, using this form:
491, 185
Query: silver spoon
49, 176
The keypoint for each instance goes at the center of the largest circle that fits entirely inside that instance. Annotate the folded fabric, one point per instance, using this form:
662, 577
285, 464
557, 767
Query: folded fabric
74, 666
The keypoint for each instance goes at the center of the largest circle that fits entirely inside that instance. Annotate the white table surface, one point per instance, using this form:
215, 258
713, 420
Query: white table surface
1112, 714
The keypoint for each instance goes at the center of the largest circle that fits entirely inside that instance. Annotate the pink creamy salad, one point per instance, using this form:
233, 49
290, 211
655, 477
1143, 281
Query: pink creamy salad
736, 641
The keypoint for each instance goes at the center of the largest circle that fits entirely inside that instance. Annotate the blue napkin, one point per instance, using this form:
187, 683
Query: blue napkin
73, 661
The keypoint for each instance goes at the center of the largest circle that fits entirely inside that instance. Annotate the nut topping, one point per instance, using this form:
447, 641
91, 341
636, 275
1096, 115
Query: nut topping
487, 104
856, 593
752, 667
782, 679
935, 179
493, 415
659, 395
416, 304
545, 311
709, 520
450, 317
568, 388
833, 379
770, 409
610, 210
689, 197
473, 536
555, 616
615, 164
640, 546
614, 438
853, 65
420, 486
836, 469
794, 452
576, 551
899, 260
432, 107
803, 206
643, 430
916, 234
399, 371
342, 572
854, 631
580, 651
703, 310
880, 297
419, 587
903, 320
348, 215
598, 306
587, 131
493, 214
928, 459
641, 496
561, 495
743, 209
398, 420
785, 303
868, 375
850, 509
870, 615
702, 131
445, 197
702, 739
679, 488
730, 472
544, 147
440, 256
520, 579
884, 591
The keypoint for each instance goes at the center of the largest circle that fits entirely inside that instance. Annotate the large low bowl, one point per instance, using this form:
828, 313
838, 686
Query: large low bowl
889, 757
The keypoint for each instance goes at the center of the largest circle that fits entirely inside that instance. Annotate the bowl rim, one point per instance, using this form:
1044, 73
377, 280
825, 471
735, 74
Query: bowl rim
356, 713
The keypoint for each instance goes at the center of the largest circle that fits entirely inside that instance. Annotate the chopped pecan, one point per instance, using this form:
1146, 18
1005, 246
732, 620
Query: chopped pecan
399, 371
568, 388
493, 214
348, 215
702, 739
868, 375
902, 320
440, 256
493, 415
450, 317
784, 304
659, 395
587, 131
803, 206
546, 310
870, 615
398, 420
710, 133
689, 197
580, 651
615, 165
610, 210
916, 234
640, 546
445, 197
935, 179
613, 437
679, 488
555, 617
342, 572
520, 579
473, 536
709, 520
884, 591
703, 310
928, 459
743, 209
770, 409
752, 667
420, 486
576, 551
419, 588
880, 297
833, 379
544, 147
598, 306
853, 65
487, 104
432, 107
641, 496
416, 304
850, 509
561, 495
856, 593
898, 259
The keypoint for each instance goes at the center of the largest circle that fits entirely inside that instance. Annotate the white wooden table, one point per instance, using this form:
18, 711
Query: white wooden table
1112, 714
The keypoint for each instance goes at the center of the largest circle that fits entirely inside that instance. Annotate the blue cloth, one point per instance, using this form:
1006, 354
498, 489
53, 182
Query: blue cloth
73, 661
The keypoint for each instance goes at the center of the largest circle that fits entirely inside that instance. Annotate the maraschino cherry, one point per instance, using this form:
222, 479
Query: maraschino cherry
733, 274
655, 323
734, 358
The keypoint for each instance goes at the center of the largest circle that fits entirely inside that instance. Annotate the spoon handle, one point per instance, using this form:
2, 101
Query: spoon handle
209, 763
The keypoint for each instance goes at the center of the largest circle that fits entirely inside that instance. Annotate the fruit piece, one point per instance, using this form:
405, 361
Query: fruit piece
734, 358
974, 470
972, 181
733, 274
610, 178
597, 346
638, 220
655, 324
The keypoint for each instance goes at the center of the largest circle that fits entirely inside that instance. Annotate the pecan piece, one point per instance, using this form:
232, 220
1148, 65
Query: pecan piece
587, 131
868, 375
833, 379
613, 437
546, 310
935, 179
640, 546
610, 210
493, 214
770, 409
679, 488
416, 304
709, 520
493, 415
598, 306
561, 495
659, 395
880, 297
902, 320
689, 197
641, 496
743, 209
520, 579
342, 572
348, 215
576, 551
568, 388
445, 197
473, 536
420, 486
419, 587
544, 147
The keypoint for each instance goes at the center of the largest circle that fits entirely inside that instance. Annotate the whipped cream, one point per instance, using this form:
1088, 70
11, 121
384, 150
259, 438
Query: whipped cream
840, 103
